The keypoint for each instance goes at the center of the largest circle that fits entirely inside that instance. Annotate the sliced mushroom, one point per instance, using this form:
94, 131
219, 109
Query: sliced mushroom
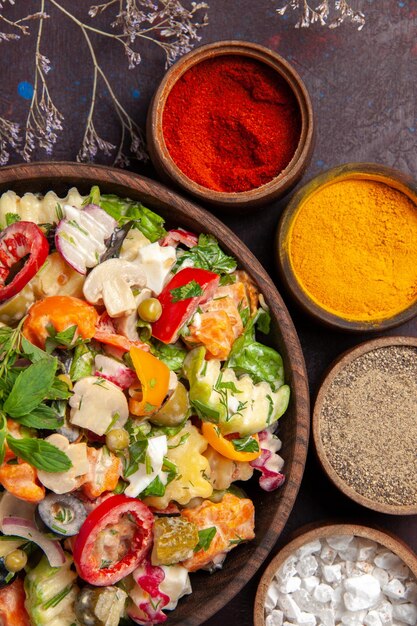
98, 404
63, 482
127, 324
110, 283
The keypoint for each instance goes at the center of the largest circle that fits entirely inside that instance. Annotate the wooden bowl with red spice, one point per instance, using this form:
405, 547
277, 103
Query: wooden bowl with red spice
232, 124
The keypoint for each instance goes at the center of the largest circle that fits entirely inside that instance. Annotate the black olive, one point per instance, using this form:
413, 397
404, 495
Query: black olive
62, 513
6, 577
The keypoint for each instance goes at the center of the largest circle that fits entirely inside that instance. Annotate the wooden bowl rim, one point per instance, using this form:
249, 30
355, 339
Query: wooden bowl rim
88, 174
374, 171
323, 530
334, 369
301, 155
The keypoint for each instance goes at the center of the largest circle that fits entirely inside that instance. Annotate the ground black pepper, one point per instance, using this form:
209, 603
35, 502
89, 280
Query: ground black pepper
368, 425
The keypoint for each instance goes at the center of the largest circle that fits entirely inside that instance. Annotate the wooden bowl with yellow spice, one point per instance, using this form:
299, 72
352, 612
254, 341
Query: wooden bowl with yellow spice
347, 247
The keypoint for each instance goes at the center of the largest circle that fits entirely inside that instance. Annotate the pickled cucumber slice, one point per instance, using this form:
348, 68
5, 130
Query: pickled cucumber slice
174, 540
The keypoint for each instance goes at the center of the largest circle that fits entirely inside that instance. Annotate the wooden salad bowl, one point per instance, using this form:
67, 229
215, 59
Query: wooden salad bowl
210, 592
313, 532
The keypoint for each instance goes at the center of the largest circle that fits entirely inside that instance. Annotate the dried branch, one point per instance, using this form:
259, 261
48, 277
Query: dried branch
323, 13
166, 23
9, 138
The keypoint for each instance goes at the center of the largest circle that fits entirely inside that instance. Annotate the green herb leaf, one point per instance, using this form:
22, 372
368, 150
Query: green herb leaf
94, 197
262, 363
227, 279
171, 354
205, 537
124, 210
155, 488
63, 339
205, 412
82, 363
263, 321
190, 290
137, 455
247, 444
39, 453
11, 218
33, 353
31, 387
207, 255
42, 417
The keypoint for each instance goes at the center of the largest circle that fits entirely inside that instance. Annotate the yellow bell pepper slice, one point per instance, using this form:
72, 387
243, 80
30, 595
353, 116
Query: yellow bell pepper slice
224, 446
153, 375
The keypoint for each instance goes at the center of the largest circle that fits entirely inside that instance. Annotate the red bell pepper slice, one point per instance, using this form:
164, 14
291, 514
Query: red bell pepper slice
17, 241
119, 525
176, 313
177, 236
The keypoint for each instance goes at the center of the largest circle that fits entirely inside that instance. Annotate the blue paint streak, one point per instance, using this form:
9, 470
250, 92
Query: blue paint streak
401, 5
320, 163
135, 94
25, 90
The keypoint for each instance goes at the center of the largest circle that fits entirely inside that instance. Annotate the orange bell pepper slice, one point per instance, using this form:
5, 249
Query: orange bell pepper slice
21, 480
224, 446
61, 312
153, 375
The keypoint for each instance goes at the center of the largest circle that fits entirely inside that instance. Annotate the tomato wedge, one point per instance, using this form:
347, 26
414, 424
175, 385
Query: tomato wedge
113, 540
12, 605
17, 241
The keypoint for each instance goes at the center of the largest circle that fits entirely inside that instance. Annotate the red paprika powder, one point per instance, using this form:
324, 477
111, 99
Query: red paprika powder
231, 123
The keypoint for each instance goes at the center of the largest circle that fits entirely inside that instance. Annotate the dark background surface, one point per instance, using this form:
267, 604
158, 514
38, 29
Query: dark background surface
363, 88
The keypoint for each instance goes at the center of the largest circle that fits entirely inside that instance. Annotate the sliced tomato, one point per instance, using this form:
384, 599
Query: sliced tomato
18, 241
12, 605
113, 540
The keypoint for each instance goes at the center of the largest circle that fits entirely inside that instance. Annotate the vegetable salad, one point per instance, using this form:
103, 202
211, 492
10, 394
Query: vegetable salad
134, 395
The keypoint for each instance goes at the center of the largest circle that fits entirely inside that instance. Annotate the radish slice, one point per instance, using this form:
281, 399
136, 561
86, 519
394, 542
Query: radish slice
80, 237
24, 528
118, 373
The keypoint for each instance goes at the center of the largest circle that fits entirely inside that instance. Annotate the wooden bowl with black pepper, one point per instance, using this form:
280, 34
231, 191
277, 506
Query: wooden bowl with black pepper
365, 424
231, 124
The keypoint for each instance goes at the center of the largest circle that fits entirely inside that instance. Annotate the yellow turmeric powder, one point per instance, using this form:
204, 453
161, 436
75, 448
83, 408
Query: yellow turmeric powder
353, 248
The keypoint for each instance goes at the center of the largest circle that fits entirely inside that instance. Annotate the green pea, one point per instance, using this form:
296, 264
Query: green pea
117, 439
150, 310
15, 561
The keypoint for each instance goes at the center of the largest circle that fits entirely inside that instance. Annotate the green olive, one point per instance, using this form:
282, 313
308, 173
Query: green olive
117, 439
15, 561
175, 409
150, 310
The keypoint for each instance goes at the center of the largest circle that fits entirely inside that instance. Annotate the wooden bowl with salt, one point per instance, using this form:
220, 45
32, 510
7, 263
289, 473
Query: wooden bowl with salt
233, 201
364, 424
312, 533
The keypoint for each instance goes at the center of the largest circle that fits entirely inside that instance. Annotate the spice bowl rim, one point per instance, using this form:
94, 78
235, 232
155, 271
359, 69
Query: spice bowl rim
367, 171
341, 362
280, 184
321, 531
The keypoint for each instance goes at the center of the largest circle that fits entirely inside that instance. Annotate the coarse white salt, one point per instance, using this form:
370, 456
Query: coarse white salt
394, 589
406, 613
342, 581
275, 618
332, 573
307, 566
